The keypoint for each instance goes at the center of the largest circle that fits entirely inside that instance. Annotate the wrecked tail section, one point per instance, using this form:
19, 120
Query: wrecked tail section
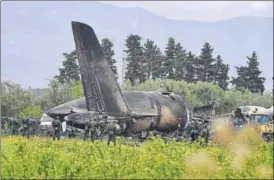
97, 76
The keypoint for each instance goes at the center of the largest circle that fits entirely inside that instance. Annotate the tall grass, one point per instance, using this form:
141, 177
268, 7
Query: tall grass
238, 155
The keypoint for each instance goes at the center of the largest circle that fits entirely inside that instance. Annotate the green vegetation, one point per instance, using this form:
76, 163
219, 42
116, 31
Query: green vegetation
40, 158
19, 102
199, 93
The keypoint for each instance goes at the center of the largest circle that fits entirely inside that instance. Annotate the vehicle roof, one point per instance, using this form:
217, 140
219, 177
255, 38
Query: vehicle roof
46, 118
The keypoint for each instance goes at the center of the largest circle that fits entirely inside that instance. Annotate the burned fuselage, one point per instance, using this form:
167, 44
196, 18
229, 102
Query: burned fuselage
151, 108
158, 110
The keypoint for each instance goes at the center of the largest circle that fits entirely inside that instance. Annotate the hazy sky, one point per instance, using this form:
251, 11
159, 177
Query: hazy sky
202, 10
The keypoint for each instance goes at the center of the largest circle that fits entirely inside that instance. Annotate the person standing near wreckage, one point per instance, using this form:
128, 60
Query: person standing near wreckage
87, 128
93, 131
57, 125
112, 132
3, 122
11, 126
90, 127
180, 128
205, 132
194, 131
26, 125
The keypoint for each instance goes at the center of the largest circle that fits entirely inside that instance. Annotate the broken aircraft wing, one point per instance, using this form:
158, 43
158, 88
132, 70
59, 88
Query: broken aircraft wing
95, 70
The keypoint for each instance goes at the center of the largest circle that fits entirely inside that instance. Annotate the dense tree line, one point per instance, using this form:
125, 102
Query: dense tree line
146, 61
179, 64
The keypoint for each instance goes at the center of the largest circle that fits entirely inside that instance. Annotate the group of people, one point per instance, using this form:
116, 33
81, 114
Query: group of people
194, 129
25, 125
90, 129
92, 124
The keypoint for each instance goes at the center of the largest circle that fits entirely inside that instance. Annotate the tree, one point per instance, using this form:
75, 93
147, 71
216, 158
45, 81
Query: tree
42, 102
134, 53
168, 66
221, 73
256, 82
180, 62
152, 57
157, 68
107, 46
240, 82
13, 99
206, 61
77, 90
249, 76
32, 112
190, 63
70, 71
59, 93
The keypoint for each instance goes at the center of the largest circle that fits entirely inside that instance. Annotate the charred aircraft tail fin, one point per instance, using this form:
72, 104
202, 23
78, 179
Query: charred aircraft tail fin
95, 70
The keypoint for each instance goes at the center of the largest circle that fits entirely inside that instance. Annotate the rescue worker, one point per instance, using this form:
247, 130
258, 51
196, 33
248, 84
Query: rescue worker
26, 125
112, 133
205, 133
194, 131
180, 126
72, 133
188, 129
14, 126
9, 125
87, 127
129, 123
179, 130
36, 126
3, 122
57, 125
93, 132
90, 127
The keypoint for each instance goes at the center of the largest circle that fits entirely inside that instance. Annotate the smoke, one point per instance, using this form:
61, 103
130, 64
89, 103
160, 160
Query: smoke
223, 133
264, 171
201, 165
240, 145
241, 153
238, 142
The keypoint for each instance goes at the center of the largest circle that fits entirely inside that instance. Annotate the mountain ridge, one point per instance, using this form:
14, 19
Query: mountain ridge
34, 37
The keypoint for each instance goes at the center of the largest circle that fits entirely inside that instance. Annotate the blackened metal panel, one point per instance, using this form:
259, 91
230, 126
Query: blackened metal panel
91, 57
85, 69
141, 102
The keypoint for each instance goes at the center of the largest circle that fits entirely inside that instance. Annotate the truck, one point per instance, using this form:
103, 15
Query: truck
262, 121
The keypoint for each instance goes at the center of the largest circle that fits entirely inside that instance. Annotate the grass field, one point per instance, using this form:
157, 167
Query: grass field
41, 158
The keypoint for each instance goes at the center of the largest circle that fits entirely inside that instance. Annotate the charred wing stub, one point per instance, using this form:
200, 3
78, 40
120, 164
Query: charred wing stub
91, 57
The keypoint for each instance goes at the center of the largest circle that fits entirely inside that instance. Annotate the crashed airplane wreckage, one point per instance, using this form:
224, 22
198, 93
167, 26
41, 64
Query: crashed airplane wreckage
135, 111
